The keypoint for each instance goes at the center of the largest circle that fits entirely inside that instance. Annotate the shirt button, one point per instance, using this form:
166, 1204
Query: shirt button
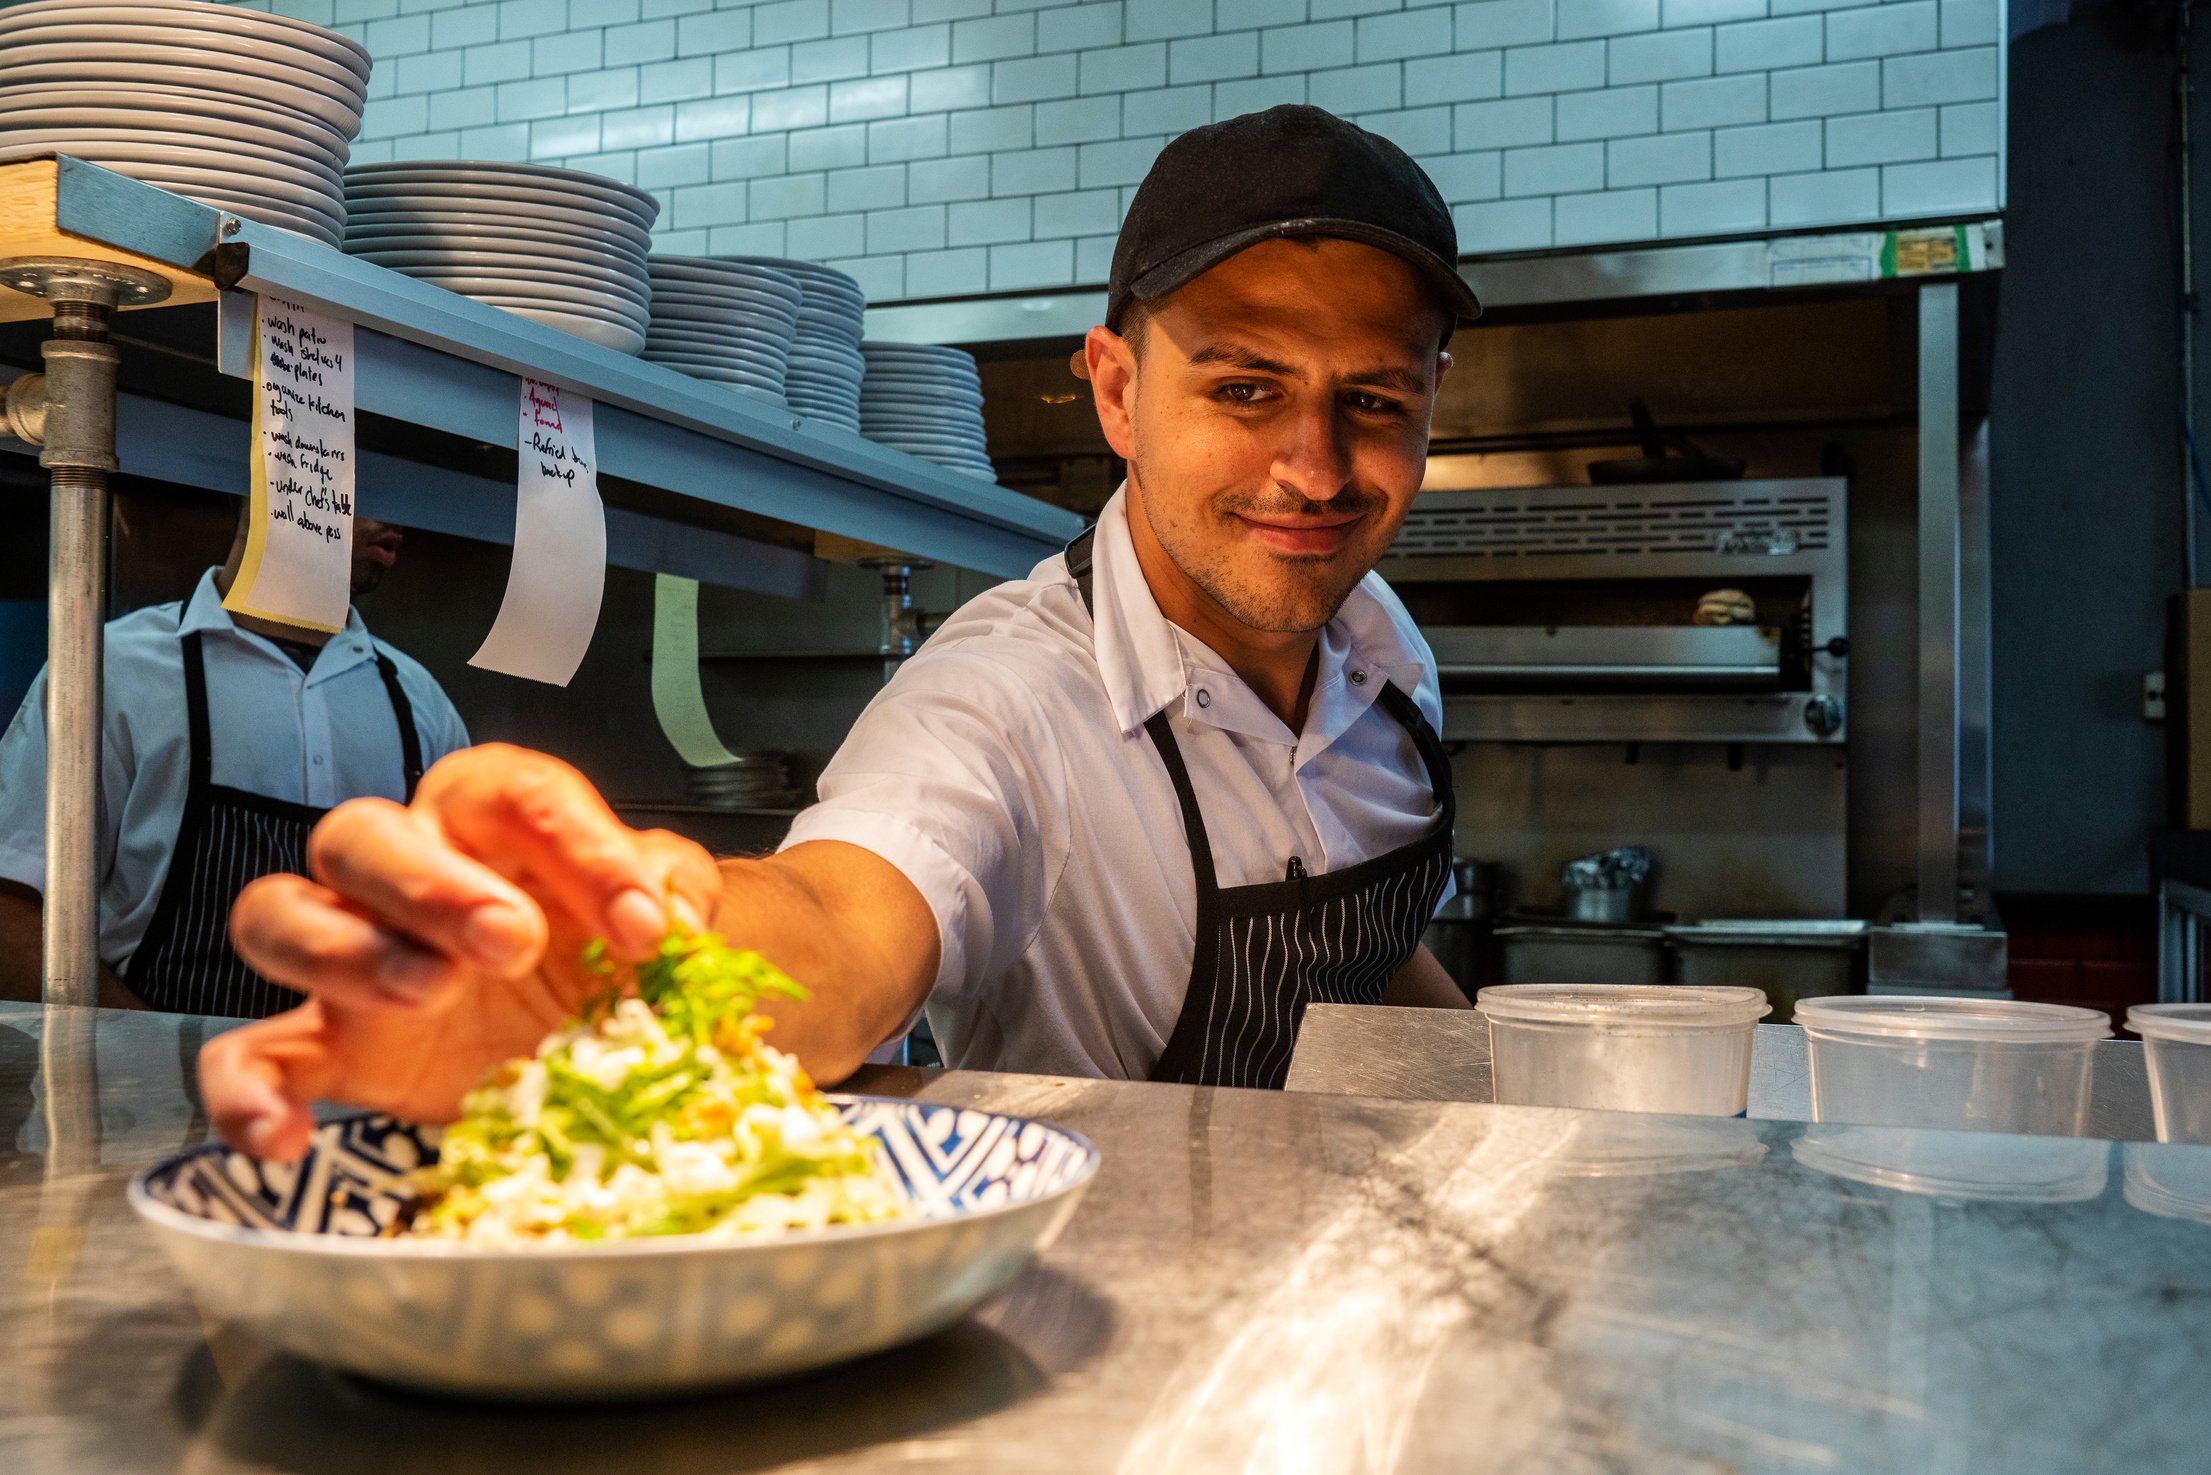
1205, 698
1358, 678
318, 760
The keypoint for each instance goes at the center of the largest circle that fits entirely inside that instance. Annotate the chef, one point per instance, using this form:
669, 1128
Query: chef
224, 738
1126, 817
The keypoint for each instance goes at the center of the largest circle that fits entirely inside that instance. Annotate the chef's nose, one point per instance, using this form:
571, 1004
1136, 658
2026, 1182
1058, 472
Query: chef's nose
1313, 458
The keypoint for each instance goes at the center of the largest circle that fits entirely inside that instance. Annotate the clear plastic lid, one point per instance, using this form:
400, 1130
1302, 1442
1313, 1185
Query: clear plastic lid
1901, 1017
2188, 1023
1654, 1006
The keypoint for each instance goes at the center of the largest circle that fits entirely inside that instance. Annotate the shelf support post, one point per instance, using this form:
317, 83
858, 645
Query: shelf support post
75, 426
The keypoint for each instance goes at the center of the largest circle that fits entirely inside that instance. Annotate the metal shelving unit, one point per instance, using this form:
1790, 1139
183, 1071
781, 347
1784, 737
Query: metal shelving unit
698, 481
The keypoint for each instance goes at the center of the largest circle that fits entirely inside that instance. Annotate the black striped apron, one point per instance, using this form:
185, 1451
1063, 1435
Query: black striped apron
227, 837
1266, 951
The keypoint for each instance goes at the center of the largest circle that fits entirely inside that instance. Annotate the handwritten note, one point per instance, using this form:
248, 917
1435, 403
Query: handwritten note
558, 575
678, 700
299, 540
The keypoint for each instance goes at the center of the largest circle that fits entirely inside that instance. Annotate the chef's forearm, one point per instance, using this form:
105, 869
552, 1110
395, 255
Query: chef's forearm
1424, 983
851, 928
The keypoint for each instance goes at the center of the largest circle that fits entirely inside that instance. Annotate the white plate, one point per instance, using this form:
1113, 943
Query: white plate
692, 294
768, 354
175, 130
565, 186
169, 41
617, 336
100, 146
712, 375
872, 395
269, 90
402, 172
604, 254
206, 17
241, 197
757, 330
466, 210
579, 269
747, 363
893, 386
167, 108
715, 268
680, 304
556, 294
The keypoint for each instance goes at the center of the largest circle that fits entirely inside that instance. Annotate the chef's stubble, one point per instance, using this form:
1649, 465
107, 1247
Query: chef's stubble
1308, 592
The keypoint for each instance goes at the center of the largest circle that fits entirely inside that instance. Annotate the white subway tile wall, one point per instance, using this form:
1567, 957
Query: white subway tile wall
938, 148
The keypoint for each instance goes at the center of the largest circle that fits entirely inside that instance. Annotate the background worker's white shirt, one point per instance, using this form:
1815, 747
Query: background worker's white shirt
1006, 772
317, 737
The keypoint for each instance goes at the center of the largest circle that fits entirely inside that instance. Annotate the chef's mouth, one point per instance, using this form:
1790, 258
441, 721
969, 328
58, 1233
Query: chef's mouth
1302, 537
384, 551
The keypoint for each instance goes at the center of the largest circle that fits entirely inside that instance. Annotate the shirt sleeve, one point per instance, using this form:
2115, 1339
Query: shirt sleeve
953, 776
23, 791
23, 780
437, 722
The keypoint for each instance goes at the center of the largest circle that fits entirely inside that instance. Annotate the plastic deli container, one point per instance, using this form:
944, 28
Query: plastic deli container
1622, 1047
1974, 1065
2176, 1045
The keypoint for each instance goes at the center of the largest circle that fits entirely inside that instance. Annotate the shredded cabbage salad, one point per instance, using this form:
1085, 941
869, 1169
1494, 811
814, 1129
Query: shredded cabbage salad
661, 1111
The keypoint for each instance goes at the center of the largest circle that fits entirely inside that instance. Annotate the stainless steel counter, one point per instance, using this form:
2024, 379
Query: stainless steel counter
1443, 1055
1258, 1283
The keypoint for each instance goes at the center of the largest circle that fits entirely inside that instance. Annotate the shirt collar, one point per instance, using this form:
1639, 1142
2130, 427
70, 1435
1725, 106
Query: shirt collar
1150, 664
348, 648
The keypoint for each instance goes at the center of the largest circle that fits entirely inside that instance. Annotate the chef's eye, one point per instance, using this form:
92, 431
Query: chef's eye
1374, 404
1241, 392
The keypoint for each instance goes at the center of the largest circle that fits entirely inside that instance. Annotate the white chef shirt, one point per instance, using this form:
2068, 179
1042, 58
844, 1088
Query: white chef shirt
1006, 772
316, 737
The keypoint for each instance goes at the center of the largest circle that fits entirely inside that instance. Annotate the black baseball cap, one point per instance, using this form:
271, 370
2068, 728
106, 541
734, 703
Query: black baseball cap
1292, 170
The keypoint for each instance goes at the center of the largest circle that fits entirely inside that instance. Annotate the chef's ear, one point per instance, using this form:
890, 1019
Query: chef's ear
1109, 363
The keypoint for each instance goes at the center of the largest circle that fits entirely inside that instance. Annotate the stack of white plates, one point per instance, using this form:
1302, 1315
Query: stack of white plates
730, 322
760, 780
927, 401
557, 246
247, 112
823, 381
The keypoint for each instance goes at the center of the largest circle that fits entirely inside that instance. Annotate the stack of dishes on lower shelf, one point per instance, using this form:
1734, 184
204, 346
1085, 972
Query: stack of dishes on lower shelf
823, 379
927, 401
729, 322
757, 780
557, 246
246, 112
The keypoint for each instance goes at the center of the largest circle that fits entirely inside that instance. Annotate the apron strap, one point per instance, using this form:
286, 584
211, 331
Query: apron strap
410, 742
195, 714
1080, 563
1414, 721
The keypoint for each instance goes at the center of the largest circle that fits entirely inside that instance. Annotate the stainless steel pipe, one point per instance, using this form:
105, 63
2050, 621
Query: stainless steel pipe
77, 438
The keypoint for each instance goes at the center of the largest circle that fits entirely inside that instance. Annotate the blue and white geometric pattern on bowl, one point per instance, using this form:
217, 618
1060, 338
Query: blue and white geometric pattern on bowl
294, 1253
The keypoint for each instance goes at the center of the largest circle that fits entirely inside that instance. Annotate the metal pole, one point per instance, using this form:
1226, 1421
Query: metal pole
1938, 602
2184, 104
77, 438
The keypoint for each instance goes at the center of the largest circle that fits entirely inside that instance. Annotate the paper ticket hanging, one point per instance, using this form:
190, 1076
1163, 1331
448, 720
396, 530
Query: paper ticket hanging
299, 537
559, 571
678, 701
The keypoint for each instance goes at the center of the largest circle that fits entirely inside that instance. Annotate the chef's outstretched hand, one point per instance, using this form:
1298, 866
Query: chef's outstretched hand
437, 939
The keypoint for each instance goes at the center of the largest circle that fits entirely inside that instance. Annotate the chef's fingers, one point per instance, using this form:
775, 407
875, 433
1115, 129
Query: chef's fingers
304, 936
396, 866
541, 822
691, 881
258, 1081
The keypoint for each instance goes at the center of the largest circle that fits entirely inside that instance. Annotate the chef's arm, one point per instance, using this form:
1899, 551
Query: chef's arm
443, 937
1423, 984
22, 968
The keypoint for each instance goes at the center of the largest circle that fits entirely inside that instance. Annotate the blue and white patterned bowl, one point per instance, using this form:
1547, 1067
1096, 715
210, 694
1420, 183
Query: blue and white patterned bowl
293, 1253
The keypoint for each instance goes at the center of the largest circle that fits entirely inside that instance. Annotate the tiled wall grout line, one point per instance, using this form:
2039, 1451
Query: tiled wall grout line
946, 147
